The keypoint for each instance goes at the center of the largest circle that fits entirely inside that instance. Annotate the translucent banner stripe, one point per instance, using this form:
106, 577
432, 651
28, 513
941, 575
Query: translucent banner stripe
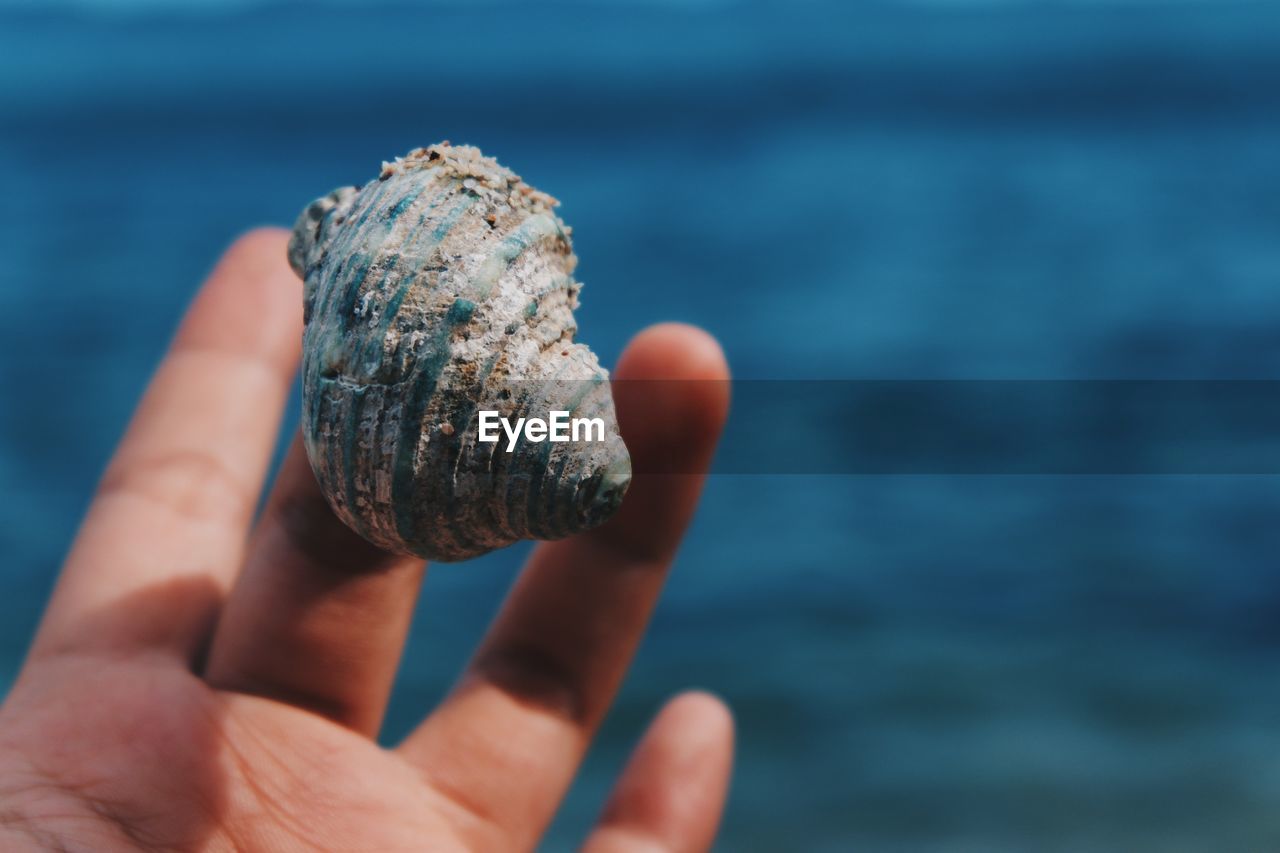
1016, 427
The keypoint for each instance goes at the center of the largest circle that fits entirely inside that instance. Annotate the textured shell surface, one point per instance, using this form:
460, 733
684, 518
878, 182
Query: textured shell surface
442, 288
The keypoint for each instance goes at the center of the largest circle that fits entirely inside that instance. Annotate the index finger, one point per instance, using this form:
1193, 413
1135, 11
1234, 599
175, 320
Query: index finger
168, 524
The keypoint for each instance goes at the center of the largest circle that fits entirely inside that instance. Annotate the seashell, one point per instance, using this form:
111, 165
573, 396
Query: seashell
442, 289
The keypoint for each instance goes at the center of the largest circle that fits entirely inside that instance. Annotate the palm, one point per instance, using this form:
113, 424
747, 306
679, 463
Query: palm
192, 689
232, 771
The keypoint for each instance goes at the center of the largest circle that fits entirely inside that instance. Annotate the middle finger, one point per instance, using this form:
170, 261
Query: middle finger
319, 616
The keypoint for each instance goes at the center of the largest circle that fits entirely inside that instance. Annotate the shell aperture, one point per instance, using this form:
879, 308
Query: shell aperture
439, 291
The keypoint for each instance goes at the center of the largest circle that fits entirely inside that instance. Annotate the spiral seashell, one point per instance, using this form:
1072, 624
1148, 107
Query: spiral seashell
442, 289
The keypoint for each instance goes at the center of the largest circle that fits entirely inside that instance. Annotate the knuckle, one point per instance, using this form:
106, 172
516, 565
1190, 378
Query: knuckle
312, 530
194, 484
535, 678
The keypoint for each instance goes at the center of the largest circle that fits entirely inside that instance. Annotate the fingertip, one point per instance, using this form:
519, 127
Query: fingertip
251, 304
676, 351
257, 259
672, 393
673, 790
701, 715
695, 729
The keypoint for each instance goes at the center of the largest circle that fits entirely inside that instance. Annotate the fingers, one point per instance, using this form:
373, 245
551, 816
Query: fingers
319, 616
507, 742
168, 523
672, 792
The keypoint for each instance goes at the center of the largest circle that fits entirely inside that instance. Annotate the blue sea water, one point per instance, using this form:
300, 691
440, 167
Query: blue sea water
837, 190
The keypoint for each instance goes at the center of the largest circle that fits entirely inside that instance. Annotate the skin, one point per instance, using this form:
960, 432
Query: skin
200, 685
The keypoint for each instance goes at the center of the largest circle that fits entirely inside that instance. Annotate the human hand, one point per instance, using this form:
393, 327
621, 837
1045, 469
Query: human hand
194, 687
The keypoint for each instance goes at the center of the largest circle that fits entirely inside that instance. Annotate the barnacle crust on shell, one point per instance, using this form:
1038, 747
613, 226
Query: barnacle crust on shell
443, 287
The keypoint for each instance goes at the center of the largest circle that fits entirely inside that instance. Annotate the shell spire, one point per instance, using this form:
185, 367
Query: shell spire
439, 296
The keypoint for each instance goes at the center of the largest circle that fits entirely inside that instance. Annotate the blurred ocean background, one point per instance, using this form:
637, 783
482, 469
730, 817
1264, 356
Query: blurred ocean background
940, 190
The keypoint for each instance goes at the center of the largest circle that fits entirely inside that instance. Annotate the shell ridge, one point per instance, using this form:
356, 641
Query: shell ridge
423, 386
375, 520
464, 415
522, 491
391, 308
346, 310
545, 525
377, 466
329, 467
532, 230
392, 218
356, 395
350, 435
533, 485
540, 475
349, 234
368, 258
438, 235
